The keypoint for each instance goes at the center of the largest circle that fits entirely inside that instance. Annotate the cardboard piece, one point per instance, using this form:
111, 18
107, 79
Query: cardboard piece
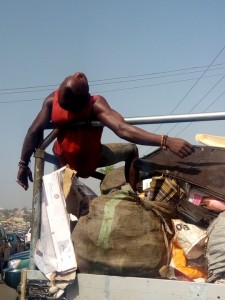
54, 251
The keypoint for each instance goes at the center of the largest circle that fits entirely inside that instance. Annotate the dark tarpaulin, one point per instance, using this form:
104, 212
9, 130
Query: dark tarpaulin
204, 168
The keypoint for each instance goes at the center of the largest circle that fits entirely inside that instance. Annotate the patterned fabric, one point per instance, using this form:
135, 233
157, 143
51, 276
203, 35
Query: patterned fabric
165, 189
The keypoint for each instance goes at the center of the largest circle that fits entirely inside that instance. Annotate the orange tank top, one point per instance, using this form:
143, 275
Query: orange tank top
80, 148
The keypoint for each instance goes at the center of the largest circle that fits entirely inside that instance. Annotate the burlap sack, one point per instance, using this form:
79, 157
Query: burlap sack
215, 250
121, 237
113, 180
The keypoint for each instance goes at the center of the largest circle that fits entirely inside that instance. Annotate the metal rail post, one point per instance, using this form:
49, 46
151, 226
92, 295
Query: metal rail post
37, 192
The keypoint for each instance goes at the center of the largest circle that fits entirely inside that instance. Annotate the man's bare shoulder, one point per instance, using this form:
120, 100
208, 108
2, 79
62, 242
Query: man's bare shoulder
100, 105
98, 97
100, 100
49, 99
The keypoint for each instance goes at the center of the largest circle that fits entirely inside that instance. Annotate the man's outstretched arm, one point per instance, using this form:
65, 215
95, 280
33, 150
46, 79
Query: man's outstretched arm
113, 120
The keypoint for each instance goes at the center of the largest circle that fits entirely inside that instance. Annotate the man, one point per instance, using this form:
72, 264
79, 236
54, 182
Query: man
81, 148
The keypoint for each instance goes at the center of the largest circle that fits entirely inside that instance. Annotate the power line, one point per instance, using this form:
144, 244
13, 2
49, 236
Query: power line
102, 81
156, 84
114, 90
195, 85
178, 104
181, 101
200, 101
156, 73
213, 102
151, 78
25, 100
28, 87
188, 92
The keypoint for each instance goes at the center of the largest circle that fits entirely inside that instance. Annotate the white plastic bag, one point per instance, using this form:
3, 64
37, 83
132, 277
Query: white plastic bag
191, 238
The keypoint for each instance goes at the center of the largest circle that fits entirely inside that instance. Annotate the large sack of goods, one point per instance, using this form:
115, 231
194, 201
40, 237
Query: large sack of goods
123, 235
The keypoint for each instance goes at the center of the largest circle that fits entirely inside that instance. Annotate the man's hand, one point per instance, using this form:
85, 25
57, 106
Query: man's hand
23, 175
179, 147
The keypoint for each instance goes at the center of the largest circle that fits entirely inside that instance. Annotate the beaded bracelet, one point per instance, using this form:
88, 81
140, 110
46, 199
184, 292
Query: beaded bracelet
163, 141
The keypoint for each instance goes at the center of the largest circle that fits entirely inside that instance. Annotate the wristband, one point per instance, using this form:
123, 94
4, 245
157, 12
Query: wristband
163, 142
23, 164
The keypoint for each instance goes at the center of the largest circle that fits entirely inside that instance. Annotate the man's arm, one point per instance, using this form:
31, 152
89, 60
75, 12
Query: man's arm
113, 120
32, 139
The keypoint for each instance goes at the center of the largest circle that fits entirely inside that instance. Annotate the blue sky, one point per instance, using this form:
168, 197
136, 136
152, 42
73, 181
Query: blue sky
140, 47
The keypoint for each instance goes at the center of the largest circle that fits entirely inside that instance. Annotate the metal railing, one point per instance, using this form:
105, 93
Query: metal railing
41, 157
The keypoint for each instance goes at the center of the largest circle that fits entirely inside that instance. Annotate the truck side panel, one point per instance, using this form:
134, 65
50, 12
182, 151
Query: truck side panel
97, 287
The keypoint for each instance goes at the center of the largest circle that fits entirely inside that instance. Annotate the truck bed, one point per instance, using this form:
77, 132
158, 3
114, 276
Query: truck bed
102, 287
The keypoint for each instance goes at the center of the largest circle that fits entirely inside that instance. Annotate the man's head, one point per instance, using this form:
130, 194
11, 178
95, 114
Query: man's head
74, 92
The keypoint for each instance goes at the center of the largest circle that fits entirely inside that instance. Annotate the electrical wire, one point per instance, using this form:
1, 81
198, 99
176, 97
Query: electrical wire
200, 101
188, 92
111, 90
111, 80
